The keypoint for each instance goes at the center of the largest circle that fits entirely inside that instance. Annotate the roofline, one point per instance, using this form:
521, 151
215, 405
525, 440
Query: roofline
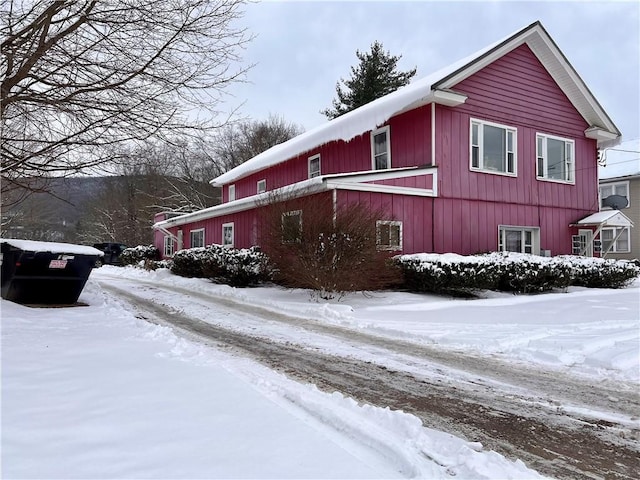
516, 40
338, 181
631, 176
600, 126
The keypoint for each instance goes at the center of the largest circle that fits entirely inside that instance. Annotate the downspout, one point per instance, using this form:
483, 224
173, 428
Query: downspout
433, 134
433, 164
334, 195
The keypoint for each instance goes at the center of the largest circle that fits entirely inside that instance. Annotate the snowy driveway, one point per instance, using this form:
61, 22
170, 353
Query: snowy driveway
559, 423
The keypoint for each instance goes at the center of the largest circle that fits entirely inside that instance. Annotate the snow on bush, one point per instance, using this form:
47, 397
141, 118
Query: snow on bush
135, 255
235, 267
511, 272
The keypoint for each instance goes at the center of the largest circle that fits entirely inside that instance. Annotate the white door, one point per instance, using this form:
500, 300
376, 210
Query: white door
586, 242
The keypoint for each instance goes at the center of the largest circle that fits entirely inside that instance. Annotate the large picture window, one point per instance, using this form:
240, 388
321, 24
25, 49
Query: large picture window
493, 148
555, 158
519, 239
389, 235
196, 238
381, 149
227, 234
612, 243
292, 226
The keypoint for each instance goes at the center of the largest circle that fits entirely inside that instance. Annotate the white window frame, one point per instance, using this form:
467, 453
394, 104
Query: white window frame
261, 186
224, 242
169, 246
509, 131
542, 159
232, 192
292, 213
314, 172
614, 191
388, 246
387, 131
534, 246
614, 231
192, 234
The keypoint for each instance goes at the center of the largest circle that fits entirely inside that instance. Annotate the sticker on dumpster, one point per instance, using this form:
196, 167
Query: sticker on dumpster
57, 264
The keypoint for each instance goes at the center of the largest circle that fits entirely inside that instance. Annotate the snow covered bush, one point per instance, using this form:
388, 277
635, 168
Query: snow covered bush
601, 273
449, 273
511, 272
189, 262
235, 267
135, 255
523, 273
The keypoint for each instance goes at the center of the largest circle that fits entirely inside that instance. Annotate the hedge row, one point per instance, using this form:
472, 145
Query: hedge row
235, 267
510, 272
135, 255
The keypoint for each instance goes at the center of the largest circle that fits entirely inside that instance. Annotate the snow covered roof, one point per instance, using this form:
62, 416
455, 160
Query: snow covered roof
606, 218
435, 88
34, 246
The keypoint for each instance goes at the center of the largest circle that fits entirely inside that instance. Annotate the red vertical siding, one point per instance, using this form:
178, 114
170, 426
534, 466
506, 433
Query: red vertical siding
515, 91
410, 135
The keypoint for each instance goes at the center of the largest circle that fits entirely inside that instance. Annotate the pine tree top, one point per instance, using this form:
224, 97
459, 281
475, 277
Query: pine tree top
375, 76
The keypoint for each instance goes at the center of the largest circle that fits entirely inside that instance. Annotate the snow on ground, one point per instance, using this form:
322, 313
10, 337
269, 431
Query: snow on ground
93, 392
592, 332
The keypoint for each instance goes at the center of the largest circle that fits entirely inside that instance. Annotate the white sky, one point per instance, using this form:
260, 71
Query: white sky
302, 49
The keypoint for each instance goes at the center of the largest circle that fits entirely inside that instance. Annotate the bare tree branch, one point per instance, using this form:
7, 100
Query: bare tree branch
80, 78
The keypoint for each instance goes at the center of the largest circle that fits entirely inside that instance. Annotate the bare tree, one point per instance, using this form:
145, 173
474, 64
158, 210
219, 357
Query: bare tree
329, 249
80, 78
238, 142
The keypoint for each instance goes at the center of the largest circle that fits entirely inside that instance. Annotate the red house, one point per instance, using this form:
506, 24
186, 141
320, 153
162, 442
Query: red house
495, 152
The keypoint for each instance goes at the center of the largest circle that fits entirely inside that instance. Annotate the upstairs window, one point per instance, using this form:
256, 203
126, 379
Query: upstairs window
389, 235
261, 186
196, 238
232, 193
493, 148
292, 226
314, 166
620, 188
555, 158
227, 234
381, 149
519, 239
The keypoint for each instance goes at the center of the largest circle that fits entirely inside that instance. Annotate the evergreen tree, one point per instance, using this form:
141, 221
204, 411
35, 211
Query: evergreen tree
374, 77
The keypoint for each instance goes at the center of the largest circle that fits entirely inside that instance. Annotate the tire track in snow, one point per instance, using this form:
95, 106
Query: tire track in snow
546, 439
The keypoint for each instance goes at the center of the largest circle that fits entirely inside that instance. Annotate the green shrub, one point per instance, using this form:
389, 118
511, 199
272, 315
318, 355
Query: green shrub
510, 272
135, 255
235, 267
449, 274
522, 273
189, 262
602, 273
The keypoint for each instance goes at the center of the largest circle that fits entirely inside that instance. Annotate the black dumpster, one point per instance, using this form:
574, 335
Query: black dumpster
44, 272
